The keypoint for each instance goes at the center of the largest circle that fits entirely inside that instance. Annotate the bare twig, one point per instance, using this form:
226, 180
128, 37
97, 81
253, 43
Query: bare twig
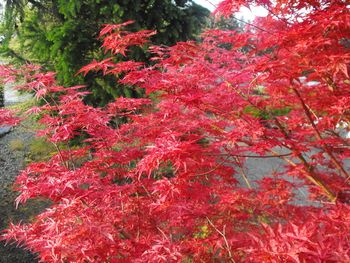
319, 136
223, 235
243, 173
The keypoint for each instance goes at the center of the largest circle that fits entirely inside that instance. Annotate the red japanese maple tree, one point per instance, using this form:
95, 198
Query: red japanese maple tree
163, 178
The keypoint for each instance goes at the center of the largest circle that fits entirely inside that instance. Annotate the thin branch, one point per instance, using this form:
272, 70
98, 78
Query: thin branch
252, 25
255, 156
311, 175
163, 234
308, 169
243, 173
215, 168
319, 136
223, 235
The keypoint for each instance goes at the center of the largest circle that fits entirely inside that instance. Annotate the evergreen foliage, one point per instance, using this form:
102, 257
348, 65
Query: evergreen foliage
62, 35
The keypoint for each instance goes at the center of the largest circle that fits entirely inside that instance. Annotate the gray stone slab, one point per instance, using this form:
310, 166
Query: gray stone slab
5, 130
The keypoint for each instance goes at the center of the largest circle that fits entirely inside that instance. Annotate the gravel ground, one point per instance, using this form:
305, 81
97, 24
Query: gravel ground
14, 147
11, 162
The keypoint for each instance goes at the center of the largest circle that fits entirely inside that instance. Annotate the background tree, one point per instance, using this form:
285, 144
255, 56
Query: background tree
62, 34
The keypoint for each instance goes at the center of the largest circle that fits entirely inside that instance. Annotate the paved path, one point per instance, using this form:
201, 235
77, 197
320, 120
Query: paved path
12, 96
258, 168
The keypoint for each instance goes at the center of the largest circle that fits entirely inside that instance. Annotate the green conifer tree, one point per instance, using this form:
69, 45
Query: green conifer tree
62, 35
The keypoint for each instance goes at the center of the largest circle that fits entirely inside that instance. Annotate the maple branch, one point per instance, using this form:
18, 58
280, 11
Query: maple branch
163, 234
243, 173
213, 169
310, 175
223, 235
276, 16
147, 192
66, 164
138, 232
308, 169
58, 149
336, 134
329, 81
252, 25
256, 156
318, 134
61, 155
211, 3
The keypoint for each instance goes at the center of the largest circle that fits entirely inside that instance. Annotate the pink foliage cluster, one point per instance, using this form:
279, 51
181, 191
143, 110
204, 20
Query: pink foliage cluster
7, 118
162, 179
